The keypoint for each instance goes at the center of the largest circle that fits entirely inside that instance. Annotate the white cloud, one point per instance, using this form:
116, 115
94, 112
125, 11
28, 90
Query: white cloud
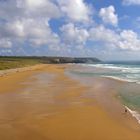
40, 33
100, 33
37, 33
28, 21
73, 35
108, 15
76, 10
39, 8
124, 40
15, 28
131, 2
129, 40
5, 43
35, 4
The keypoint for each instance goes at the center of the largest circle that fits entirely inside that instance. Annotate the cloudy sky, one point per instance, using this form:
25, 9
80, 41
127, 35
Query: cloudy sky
107, 29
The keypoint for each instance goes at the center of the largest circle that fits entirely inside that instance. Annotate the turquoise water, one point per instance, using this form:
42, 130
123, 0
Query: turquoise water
130, 95
128, 71
128, 92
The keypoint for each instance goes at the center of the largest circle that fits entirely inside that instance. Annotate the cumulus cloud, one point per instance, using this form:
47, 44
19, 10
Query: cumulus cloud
15, 29
5, 43
28, 21
73, 35
124, 40
76, 10
39, 8
111, 39
35, 32
40, 33
25, 25
129, 40
108, 15
131, 2
100, 33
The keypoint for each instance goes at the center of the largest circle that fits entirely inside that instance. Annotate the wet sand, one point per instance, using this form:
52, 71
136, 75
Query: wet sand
47, 104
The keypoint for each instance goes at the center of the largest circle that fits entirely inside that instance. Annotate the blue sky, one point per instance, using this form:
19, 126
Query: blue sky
107, 29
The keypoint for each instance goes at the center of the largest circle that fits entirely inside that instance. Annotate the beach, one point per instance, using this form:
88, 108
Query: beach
45, 102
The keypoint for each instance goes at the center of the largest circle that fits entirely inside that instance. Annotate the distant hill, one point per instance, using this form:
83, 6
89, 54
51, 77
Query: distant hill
56, 60
9, 62
60, 60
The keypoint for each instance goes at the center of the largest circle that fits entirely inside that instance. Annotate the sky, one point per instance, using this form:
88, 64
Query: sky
106, 29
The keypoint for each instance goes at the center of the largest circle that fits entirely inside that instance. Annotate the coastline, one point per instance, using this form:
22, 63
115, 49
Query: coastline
135, 114
74, 115
133, 111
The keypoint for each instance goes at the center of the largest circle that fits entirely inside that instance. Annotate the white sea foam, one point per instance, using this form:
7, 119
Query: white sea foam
129, 73
120, 79
109, 66
135, 114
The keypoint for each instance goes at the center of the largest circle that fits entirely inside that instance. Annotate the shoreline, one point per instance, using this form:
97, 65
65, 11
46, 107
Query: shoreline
58, 109
135, 114
8, 72
110, 77
120, 79
110, 97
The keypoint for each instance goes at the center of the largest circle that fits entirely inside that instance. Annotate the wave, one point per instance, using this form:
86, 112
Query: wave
124, 73
129, 73
121, 79
123, 68
135, 114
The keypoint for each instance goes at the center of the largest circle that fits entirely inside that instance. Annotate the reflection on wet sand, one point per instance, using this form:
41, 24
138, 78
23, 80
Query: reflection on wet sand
52, 106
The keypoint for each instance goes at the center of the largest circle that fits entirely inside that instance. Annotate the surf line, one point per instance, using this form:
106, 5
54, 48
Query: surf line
134, 114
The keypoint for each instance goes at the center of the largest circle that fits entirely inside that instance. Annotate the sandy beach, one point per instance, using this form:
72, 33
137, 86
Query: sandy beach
44, 103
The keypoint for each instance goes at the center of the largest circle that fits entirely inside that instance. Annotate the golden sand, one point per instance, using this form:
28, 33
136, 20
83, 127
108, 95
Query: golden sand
66, 115
11, 80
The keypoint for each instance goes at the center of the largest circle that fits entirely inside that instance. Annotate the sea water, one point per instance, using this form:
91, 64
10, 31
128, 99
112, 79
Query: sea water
128, 71
129, 93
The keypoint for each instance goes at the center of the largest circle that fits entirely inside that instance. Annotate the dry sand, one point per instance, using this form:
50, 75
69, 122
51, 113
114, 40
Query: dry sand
55, 109
11, 79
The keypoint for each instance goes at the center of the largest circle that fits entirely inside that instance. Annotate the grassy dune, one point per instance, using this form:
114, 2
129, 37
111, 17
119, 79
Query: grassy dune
13, 62
17, 62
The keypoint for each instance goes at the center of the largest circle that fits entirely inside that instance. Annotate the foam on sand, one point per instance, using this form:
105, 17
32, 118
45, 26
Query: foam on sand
135, 114
120, 79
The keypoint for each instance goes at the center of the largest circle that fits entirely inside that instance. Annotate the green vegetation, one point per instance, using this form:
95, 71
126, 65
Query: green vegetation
17, 62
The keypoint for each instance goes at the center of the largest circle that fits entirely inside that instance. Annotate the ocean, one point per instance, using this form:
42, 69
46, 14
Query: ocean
126, 71
129, 72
